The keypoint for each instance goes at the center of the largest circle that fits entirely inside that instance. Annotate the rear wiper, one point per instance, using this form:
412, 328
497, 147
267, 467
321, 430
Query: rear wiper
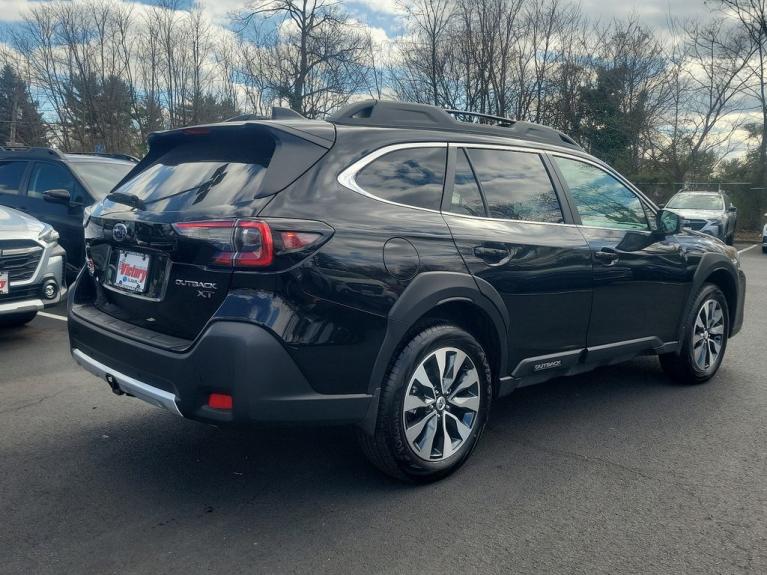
127, 199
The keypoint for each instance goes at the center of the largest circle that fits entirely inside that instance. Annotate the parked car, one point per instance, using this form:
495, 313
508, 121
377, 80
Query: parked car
56, 187
393, 268
764, 236
711, 213
31, 267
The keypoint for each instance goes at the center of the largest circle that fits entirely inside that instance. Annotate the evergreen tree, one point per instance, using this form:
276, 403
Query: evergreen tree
19, 111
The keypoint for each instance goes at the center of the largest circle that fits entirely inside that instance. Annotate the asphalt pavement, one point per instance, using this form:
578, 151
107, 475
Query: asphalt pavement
616, 471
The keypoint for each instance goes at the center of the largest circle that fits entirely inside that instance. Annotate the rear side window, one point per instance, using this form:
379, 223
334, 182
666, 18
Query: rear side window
412, 176
466, 198
11, 172
203, 171
516, 185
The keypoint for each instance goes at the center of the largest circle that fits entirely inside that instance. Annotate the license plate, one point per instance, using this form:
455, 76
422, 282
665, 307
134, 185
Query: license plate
132, 271
4, 287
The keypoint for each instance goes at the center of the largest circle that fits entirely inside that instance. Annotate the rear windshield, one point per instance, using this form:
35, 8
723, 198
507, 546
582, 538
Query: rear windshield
696, 202
203, 170
101, 177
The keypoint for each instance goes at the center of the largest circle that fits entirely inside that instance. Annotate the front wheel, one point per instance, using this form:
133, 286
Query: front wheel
433, 406
705, 342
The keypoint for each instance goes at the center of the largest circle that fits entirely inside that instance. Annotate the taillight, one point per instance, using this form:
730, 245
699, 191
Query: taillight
250, 243
254, 244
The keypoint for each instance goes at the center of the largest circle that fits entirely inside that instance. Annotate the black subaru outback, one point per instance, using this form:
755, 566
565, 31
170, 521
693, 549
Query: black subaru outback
397, 267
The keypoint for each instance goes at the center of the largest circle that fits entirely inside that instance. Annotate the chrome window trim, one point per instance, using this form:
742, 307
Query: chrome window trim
347, 178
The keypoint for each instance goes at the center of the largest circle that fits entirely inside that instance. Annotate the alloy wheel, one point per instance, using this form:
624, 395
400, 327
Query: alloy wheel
708, 334
441, 405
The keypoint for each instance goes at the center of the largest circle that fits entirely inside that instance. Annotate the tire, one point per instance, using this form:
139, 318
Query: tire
17, 319
410, 444
693, 364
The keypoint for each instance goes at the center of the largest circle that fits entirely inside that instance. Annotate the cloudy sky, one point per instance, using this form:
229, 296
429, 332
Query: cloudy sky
385, 14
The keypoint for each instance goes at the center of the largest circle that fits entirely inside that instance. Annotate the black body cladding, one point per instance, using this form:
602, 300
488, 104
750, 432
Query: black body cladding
317, 328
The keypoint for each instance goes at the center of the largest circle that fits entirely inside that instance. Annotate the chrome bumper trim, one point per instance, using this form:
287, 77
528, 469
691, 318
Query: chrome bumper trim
127, 384
22, 306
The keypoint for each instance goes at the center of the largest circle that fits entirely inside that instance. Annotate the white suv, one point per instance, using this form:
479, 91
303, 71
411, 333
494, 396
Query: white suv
31, 267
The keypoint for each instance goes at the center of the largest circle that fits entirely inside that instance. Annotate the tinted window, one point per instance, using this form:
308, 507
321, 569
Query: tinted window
601, 200
52, 177
101, 177
10, 176
516, 185
205, 170
413, 176
466, 198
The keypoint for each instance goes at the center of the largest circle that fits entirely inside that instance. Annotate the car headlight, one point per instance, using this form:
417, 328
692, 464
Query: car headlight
48, 235
87, 215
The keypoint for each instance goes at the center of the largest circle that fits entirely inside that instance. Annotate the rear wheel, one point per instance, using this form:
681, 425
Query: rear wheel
433, 407
705, 339
17, 319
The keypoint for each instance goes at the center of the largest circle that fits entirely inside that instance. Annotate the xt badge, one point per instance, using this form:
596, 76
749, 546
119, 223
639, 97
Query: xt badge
205, 290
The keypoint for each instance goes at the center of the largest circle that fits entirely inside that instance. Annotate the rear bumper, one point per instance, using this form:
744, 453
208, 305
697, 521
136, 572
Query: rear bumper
240, 359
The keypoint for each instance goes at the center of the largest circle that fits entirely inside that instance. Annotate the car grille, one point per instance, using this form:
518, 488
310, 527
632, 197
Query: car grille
22, 293
694, 224
19, 258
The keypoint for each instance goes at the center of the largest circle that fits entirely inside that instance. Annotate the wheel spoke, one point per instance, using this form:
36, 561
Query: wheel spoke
416, 401
441, 356
423, 378
447, 441
700, 357
467, 402
463, 430
427, 444
453, 370
414, 432
468, 379
717, 330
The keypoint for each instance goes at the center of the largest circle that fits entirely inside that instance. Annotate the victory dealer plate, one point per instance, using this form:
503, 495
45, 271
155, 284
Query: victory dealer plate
4, 283
132, 271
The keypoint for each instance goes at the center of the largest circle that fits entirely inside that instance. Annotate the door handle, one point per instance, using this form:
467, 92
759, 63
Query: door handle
493, 256
608, 256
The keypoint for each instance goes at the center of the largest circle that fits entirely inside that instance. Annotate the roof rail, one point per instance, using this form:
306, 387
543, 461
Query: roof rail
34, 151
499, 120
386, 114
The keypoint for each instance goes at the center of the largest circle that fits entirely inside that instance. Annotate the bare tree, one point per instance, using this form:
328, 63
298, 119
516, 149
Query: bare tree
313, 58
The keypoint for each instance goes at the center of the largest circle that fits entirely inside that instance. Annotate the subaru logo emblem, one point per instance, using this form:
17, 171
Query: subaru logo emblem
120, 232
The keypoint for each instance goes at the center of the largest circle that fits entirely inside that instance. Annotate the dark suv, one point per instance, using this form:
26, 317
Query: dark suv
56, 188
393, 268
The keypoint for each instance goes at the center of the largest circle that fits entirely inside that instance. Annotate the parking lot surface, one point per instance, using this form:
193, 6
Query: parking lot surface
616, 471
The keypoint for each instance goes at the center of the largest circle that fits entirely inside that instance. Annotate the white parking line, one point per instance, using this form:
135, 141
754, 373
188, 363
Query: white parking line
52, 316
744, 250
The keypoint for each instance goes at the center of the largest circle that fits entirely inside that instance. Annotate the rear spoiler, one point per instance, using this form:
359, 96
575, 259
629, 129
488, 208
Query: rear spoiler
299, 144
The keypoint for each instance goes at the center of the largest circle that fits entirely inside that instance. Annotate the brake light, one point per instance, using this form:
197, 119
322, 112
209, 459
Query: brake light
254, 244
251, 243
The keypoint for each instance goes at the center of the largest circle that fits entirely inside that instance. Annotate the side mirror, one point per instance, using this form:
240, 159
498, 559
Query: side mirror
56, 196
732, 209
668, 223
